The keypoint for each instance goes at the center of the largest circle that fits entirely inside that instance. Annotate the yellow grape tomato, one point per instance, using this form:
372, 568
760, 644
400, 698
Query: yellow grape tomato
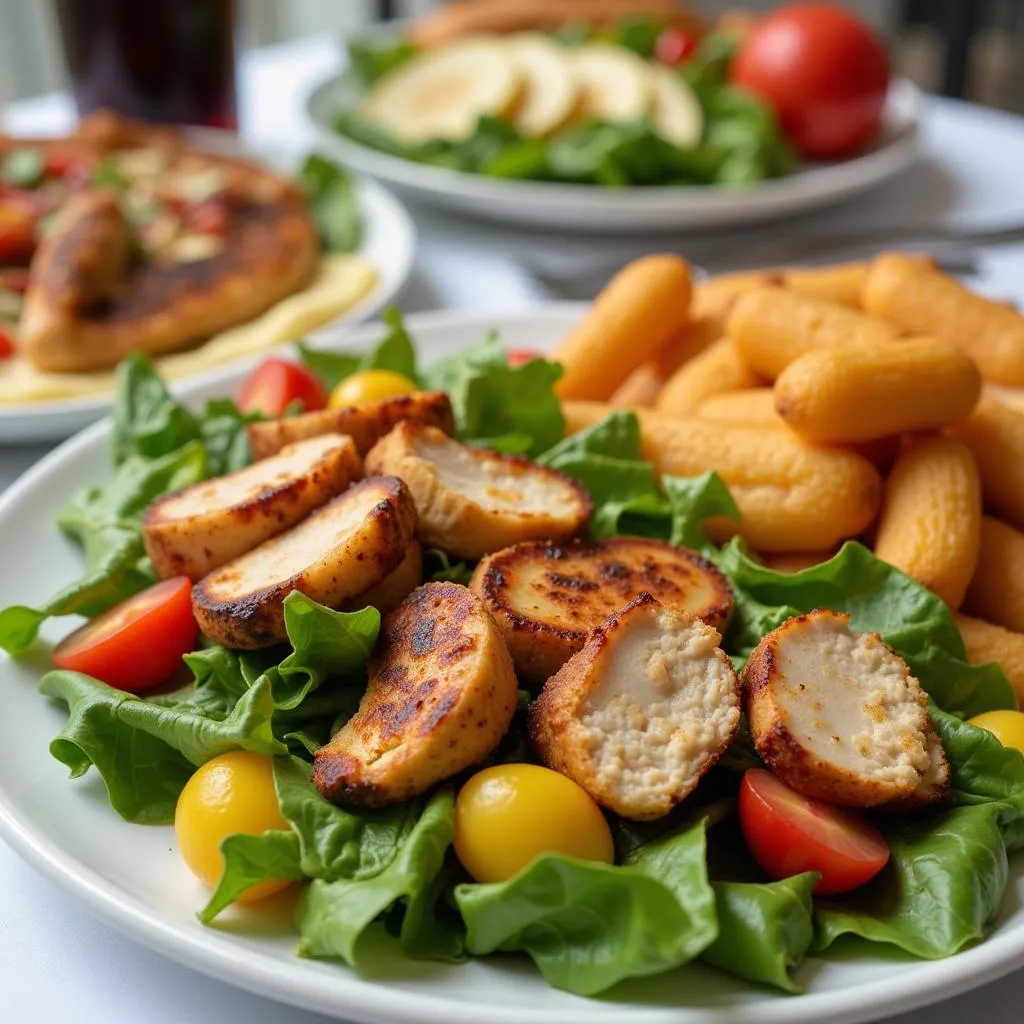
370, 386
1006, 726
508, 815
231, 793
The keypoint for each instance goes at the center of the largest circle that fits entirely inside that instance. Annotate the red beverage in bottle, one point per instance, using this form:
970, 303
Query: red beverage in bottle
162, 60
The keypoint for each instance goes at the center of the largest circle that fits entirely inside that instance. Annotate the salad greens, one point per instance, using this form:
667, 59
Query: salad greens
685, 888
742, 142
331, 193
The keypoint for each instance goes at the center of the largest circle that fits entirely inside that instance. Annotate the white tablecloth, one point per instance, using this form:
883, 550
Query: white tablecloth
57, 962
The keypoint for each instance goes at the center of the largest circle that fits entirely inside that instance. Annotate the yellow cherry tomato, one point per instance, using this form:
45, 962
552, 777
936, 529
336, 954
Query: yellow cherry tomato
1006, 726
229, 794
508, 815
370, 386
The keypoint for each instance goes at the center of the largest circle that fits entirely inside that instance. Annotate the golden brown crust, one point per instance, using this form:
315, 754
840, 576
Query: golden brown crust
196, 542
441, 694
366, 424
395, 588
574, 587
538, 502
237, 615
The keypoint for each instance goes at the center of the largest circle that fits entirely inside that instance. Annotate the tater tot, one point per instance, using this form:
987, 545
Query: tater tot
877, 389
640, 388
995, 434
1013, 397
930, 526
750, 405
772, 326
714, 297
630, 322
996, 593
718, 368
793, 496
841, 283
922, 300
986, 642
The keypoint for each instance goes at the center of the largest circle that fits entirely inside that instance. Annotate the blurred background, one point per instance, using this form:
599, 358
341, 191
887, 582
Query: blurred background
970, 49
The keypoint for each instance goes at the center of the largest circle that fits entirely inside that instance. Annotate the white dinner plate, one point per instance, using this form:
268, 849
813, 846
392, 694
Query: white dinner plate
389, 243
593, 208
133, 877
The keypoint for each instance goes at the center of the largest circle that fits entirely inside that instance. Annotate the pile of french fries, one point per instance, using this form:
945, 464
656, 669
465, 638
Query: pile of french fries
881, 401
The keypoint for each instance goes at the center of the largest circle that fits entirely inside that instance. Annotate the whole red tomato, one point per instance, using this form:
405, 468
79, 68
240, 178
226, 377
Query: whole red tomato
824, 71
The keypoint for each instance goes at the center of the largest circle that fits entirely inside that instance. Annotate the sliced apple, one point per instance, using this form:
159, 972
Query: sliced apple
676, 113
550, 89
615, 83
443, 93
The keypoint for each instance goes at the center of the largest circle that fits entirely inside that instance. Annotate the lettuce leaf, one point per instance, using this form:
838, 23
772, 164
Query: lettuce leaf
879, 598
764, 929
145, 750
333, 202
588, 925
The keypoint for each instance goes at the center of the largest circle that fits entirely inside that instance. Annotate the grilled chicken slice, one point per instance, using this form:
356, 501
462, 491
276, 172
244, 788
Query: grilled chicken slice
366, 424
547, 598
441, 694
349, 545
837, 714
642, 712
935, 780
196, 530
394, 589
472, 501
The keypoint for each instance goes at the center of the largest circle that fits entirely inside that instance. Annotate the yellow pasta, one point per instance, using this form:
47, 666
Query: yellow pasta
771, 327
793, 496
930, 525
877, 389
630, 322
921, 300
996, 593
717, 369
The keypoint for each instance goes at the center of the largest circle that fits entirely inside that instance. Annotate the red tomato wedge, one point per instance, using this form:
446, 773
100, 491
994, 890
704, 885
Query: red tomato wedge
824, 71
518, 356
789, 833
139, 642
276, 383
6, 344
674, 46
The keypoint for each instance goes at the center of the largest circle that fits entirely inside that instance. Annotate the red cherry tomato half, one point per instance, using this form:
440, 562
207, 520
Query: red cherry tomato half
6, 344
789, 833
823, 70
210, 217
276, 383
17, 230
674, 46
518, 356
139, 642
69, 163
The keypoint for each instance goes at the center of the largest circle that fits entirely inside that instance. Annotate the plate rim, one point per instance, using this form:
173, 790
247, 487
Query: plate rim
84, 408
341, 989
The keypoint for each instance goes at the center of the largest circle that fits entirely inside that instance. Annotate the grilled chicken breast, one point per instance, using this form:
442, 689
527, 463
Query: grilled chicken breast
366, 424
641, 712
196, 530
546, 598
471, 501
393, 589
441, 694
837, 714
349, 545
935, 779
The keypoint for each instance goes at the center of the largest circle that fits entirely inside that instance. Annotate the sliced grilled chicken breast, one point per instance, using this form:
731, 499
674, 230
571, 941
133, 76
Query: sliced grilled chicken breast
366, 424
441, 694
394, 589
349, 545
837, 714
546, 598
641, 712
196, 530
935, 780
471, 501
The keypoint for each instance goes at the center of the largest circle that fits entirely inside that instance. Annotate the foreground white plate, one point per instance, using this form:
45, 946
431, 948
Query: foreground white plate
389, 243
133, 877
592, 208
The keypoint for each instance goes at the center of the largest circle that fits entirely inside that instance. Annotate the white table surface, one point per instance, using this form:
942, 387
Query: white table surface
58, 963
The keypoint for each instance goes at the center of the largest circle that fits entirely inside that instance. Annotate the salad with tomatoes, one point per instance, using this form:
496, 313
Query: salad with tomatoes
652, 98
751, 872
